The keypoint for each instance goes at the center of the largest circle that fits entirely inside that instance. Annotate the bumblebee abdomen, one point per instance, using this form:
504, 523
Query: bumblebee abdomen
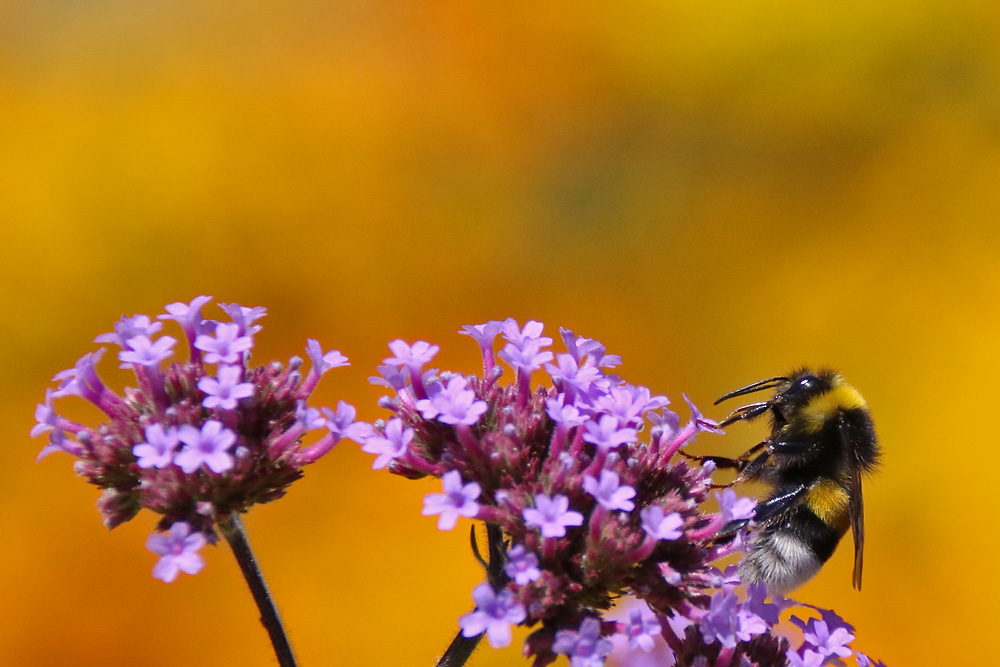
830, 502
788, 553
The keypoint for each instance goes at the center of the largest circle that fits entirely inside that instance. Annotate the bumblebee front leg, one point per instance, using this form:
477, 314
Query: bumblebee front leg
746, 467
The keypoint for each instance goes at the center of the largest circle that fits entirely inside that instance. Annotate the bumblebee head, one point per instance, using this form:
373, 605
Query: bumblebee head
797, 391
791, 394
803, 386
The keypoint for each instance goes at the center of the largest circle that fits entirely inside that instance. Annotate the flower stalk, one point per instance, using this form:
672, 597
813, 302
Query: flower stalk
231, 528
462, 647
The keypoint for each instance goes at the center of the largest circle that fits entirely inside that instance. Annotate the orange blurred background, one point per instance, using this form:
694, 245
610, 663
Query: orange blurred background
719, 192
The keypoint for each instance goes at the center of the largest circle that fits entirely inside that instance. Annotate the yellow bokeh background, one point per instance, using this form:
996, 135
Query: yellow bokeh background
717, 191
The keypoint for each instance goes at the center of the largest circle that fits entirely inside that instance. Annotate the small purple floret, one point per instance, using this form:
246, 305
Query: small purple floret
244, 317
552, 515
567, 415
584, 647
757, 603
130, 327
144, 352
721, 621
452, 404
642, 628
45, 415
307, 418
158, 450
341, 423
483, 334
178, 552
733, 507
749, 624
225, 390
808, 658
416, 355
526, 358
60, 442
569, 376
521, 565
828, 642
226, 346
457, 500
532, 332
389, 447
609, 492
493, 615
607, 434
323, 362
209, 446
390, 376
660, 526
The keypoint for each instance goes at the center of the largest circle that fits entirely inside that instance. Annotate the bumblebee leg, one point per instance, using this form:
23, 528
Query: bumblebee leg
739, 462
731, 528
746, 468
747, 412
790, 447
719, 461
756, 448
753, 468
775, 505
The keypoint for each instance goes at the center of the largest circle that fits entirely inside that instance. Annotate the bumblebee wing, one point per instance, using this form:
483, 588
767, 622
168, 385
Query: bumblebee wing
857, 526
857, 506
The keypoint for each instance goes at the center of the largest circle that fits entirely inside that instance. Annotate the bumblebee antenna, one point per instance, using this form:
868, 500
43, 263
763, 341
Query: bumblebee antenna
770, 383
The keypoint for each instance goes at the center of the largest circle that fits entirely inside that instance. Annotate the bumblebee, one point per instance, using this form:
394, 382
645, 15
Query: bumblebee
822, 441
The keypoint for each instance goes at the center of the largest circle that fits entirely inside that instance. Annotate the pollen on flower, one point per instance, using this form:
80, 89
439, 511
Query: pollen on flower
193, 440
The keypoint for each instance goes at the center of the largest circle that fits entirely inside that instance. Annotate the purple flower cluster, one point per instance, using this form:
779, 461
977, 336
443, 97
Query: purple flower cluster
194, 440
587, 510
737, 629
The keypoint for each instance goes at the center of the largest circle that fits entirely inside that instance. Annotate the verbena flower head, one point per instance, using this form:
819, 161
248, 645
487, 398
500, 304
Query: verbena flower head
589, 510
729, 633
194, 440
